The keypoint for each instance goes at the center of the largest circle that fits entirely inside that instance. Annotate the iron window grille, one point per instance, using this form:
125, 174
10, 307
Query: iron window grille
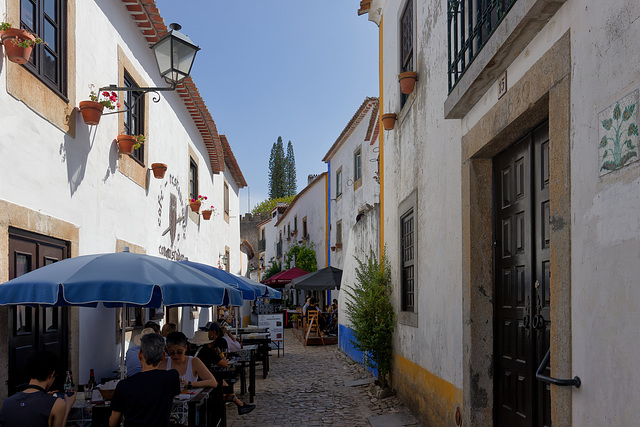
407, 254
193, 179
134, 115
406, 43
470, 25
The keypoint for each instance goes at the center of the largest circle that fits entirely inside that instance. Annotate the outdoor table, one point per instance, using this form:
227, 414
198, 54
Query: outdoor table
190, 406
247, 331
252, 348
263, 347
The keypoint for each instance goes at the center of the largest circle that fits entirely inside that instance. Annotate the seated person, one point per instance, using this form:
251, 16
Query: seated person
333, 308
192, 370
306, 306
215, 334
146, 398
131, 357
34, 406
232, 344
167, 328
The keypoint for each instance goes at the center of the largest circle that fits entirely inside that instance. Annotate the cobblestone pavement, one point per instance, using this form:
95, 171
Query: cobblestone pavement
306, 388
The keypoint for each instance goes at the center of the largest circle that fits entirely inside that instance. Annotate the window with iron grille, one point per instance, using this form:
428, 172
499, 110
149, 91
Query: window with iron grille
407, 256
48, 19
339, 232
193, 179
226, 202
357, 168
470, 25
134, 115
406, 44
339, 183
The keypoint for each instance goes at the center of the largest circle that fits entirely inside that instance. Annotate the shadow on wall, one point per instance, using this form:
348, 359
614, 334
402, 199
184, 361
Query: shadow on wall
75, 152
345, 337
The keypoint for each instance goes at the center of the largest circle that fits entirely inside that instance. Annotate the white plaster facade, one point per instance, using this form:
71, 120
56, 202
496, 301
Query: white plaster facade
308, 206
348, 196
75, 174
572, 62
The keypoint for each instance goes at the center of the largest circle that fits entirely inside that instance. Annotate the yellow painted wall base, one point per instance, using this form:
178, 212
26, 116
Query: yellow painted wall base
245, 321
431, 399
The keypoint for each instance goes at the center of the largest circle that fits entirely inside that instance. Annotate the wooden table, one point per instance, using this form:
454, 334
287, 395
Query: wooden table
263, 349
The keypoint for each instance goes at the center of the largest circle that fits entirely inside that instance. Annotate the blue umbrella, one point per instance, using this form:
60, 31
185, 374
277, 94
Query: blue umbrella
118, 280
248, 292
262, 289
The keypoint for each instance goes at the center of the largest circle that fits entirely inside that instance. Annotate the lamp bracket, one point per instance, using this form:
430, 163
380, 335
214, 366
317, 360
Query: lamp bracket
142, 90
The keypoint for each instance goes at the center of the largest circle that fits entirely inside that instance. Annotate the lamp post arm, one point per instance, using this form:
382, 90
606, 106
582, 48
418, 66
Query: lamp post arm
141, 90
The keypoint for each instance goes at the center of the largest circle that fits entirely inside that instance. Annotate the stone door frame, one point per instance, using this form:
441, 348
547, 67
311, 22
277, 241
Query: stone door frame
543, 92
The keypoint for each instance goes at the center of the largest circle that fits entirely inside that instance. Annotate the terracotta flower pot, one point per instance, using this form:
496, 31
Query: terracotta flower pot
126, 143
158, 170
407, 81
91, 112
15, 53
206, 214
333, 248
195, 206
338, 245
389, 121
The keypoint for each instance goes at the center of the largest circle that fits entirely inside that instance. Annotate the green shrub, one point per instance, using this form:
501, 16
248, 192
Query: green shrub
371, 312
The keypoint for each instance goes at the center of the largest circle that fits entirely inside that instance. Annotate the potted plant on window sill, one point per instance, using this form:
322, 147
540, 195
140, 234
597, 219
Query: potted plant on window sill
407, 81
92, 110
18, 43
158, 169
389, 121
206, 213
195, 203
338, 245
128, 143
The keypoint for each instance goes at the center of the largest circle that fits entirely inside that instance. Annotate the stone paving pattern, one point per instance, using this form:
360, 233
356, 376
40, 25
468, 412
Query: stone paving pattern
306, 388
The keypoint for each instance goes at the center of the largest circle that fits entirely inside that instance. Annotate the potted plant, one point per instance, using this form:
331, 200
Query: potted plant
128, 143
158, 169
206, 213
338, 245
18, 43
407, 81
333, 248
196, 202
92, 110
389, 121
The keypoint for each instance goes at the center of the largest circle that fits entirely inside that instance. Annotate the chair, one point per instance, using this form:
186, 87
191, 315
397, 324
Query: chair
313, 326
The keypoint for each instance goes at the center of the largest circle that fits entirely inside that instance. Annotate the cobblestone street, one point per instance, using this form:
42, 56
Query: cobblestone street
306, 388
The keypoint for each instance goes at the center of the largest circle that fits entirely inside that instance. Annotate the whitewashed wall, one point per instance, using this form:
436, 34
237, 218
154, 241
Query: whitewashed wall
312, 204
77, 179
352, 201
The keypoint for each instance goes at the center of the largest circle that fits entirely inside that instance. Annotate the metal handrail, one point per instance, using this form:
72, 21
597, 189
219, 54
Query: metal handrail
564, 383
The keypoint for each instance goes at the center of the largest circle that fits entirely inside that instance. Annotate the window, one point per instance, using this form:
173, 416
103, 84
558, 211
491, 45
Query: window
47, 18
288, 230
407, 257
357, 168
226, 254
133, 103
295, 223
470, 26
226, 202
339, 183
339, 233
262, 233
193, 178
304, 228
406, 44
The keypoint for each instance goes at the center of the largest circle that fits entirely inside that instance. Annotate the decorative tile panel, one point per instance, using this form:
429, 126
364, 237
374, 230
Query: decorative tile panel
618, 133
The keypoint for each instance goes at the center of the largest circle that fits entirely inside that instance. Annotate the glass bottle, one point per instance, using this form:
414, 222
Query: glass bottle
68, 383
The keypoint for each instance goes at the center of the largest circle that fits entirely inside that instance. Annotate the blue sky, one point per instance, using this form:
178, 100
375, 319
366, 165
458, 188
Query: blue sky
292, 68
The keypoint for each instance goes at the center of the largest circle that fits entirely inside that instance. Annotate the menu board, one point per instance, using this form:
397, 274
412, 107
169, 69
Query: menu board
275, 323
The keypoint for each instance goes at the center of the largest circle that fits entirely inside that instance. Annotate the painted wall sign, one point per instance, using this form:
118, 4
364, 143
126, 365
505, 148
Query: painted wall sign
618, 125
172, 205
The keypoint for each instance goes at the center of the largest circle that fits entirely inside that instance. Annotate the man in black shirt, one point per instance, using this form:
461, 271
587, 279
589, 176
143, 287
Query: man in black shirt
145, 399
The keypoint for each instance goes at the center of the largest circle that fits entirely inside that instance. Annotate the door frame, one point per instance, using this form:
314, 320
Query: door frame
23, 218
543, 92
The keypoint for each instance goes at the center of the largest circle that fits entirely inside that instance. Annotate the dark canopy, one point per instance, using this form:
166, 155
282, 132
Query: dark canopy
321, 280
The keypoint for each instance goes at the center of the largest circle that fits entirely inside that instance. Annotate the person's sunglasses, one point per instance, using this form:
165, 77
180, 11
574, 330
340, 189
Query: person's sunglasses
175, 352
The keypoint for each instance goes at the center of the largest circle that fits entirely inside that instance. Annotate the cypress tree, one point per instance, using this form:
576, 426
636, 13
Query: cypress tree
277, 185
290, 171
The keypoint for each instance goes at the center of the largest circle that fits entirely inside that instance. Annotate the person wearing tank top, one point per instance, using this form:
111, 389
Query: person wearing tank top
34, 407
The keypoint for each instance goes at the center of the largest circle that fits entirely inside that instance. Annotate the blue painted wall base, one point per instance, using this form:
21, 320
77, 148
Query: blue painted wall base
345, 335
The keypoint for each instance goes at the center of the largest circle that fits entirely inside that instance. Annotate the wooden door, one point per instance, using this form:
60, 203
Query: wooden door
34, 328
522, 276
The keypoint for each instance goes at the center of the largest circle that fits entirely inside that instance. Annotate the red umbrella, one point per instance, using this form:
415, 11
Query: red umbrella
284, 277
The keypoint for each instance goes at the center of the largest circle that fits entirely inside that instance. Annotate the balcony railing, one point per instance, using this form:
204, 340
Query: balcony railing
470, 25
262, 244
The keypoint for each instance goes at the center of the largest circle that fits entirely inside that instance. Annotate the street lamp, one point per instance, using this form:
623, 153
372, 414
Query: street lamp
174, 54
